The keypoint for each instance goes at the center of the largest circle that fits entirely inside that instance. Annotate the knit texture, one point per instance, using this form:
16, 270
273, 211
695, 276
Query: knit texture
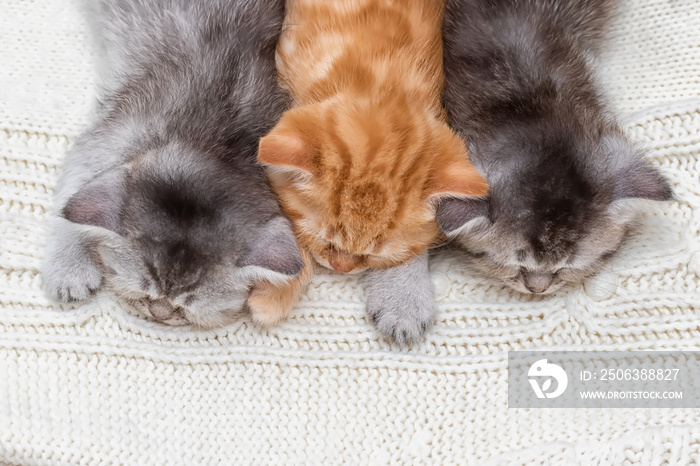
93, 383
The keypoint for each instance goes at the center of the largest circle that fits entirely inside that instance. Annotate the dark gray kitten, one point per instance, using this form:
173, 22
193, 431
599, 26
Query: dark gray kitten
565, 183
162, 194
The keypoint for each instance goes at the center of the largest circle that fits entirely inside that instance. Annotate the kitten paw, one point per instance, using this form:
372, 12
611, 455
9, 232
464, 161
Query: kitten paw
401, 300
403, 319
72, 283
269, 305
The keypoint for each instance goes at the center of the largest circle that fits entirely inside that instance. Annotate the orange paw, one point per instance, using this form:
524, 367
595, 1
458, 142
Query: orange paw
269, 304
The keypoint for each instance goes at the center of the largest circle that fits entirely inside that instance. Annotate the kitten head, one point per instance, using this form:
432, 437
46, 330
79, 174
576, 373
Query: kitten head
560, 205
183, 235
360, 181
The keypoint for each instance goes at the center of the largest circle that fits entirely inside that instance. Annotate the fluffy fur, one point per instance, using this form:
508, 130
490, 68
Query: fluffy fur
401, 300
162, 198
361, 160
565, 183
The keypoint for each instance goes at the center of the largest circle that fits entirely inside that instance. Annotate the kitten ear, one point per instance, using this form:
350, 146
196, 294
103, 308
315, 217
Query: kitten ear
99, 203
457, 179
285, 149
642, 181
635, 181
454, 213
634, 177
459, 190
634, 189
274, 249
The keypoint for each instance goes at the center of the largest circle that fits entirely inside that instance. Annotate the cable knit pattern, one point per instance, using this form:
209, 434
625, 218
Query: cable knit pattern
93, 383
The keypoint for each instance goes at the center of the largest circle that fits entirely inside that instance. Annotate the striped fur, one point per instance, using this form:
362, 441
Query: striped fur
365, 153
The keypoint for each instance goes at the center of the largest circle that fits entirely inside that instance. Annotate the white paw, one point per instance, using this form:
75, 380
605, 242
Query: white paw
74, 282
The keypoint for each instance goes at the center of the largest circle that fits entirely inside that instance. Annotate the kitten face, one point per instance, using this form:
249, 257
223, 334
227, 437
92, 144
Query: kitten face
560, 206
183, 237
359, 181
565, 185
502, 252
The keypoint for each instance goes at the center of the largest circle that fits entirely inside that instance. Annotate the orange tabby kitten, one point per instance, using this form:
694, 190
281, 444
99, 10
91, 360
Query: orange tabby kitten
361, 160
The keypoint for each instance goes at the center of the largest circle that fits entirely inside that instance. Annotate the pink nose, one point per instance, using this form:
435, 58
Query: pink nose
537, 282
342, 262
161, 309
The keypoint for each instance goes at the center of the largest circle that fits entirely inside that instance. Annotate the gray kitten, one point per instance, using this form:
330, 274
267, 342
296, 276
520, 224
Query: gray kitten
162, 198
565, 183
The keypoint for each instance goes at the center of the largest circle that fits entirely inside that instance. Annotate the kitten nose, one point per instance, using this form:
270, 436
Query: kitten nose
537, 282
342, 262
160, 309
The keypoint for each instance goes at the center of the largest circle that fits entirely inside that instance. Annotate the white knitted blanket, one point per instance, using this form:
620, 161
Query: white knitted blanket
94, 384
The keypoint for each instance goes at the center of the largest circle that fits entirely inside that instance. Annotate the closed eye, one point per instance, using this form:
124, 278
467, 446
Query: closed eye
574, 275
593, 267
607, 255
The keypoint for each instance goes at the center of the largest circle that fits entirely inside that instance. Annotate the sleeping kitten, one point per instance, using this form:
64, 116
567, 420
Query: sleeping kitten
565, 183
361, 160
162, 197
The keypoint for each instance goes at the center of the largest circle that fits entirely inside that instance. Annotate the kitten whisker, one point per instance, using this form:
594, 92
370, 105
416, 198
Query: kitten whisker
614, 284
216, 337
